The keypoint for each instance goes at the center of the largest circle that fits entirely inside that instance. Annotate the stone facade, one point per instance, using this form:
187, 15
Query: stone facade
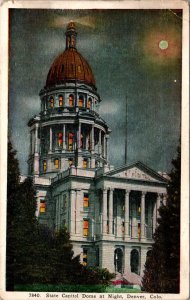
111, 214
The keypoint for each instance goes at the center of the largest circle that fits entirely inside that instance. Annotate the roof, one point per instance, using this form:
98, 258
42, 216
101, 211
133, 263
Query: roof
70, 65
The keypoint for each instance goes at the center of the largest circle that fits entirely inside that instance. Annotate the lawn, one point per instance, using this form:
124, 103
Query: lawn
74, 288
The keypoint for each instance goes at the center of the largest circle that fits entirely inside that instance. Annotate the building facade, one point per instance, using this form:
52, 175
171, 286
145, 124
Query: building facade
111, 214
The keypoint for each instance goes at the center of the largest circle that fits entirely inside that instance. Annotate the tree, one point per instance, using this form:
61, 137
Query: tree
162, 268
12, 196
21, 224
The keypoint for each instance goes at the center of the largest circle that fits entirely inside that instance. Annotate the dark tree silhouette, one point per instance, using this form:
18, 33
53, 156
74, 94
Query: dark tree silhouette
162, 268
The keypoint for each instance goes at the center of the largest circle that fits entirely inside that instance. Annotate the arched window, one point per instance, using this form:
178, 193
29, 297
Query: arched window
44, 165
135, 261
81, 101
89, 103
60, 100
85, 162
51, 101
118, 260
70, 140
56, 163
71, 100
60, 139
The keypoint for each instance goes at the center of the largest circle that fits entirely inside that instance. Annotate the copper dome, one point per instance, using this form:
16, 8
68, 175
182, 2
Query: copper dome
70, 65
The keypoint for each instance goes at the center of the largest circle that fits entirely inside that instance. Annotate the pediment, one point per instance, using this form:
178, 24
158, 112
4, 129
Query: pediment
137, 171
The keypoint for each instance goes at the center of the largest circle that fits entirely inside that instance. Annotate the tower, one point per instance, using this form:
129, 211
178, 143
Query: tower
111, 214
68, 131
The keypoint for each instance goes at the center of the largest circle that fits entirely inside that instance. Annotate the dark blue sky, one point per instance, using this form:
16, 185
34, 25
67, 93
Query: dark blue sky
128, 61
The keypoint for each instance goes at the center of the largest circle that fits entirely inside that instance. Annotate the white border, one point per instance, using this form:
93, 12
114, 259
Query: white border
130, 4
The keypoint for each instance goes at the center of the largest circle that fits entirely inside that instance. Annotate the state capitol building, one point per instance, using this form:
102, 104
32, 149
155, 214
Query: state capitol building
110, 213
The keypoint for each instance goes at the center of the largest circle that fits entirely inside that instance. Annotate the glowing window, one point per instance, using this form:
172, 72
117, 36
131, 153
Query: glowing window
89, 103
85, 227
81, 101
60, 139
71, 100
85, 257
45, 165
51, 101
60, 100
139, 231
85, 162
56, 163
86, 201
42, 206
79, 69
70, 140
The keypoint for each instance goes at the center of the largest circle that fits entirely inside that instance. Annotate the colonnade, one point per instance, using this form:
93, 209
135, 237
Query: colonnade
107, 213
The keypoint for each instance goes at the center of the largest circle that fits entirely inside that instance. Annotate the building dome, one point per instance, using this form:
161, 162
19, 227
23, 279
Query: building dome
70, 65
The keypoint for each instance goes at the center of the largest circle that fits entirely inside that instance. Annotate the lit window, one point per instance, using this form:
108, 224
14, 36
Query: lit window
56, 163
71, 100
85, 256
70, 161
81, 100
89, 103
139, 231
45, 165
139, 209
42, 206
51, 102
86, 201
85, 163
60, 139
70, 140
79, 69
85, 227
60, 100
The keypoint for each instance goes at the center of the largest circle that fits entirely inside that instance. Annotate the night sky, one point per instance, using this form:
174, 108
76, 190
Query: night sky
135, 56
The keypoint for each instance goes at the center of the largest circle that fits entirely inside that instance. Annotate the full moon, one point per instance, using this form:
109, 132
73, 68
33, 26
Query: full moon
163, 45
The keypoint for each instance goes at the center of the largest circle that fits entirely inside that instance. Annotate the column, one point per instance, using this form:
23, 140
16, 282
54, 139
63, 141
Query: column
104, 146
158, 203
111, 211
36, 138
154, 216
50, 139
164, 199
64, 138
107, 137
92, 137
104, 212
126, 214
99, 142
78, 209
143, 215
79, 135
72, 212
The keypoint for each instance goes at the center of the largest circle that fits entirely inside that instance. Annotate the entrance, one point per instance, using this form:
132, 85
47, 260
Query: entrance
118, 260
135, 261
